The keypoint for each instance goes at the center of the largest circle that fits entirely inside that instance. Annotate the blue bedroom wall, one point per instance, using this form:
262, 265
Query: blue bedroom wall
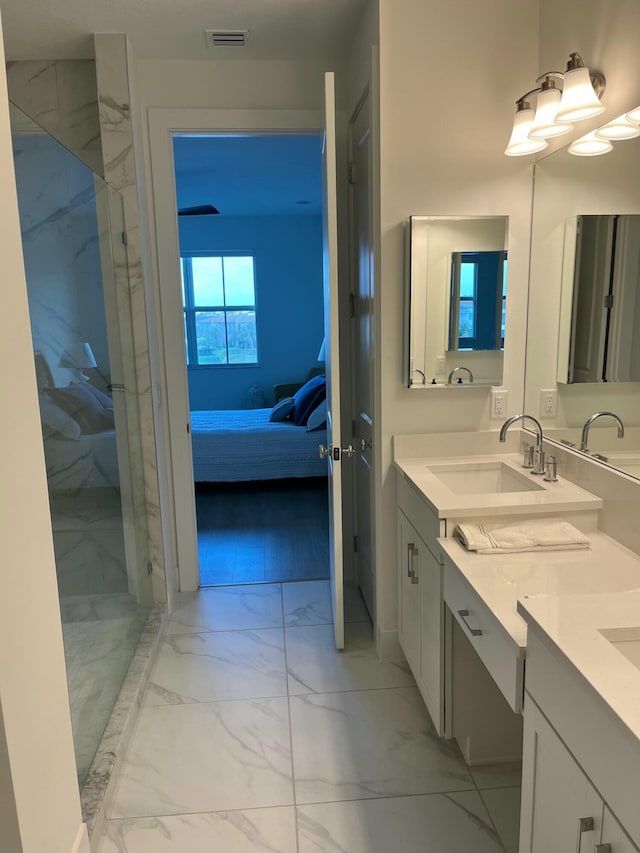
289, 303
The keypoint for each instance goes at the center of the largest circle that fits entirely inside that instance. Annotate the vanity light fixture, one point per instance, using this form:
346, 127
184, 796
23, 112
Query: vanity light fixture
557, 108
581, 92
620, 128
590, 145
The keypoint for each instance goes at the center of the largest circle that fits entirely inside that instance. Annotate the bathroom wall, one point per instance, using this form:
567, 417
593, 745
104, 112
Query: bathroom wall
61, 97
445, 118
39, 767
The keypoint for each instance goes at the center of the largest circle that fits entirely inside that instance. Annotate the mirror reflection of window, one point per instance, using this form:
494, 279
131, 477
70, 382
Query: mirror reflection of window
478, 300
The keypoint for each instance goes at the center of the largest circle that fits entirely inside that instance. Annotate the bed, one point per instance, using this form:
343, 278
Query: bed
78, 455
234, 446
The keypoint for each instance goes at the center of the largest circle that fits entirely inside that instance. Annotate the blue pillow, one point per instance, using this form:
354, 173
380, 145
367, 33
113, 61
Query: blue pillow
282, 410
318, 417
308, 398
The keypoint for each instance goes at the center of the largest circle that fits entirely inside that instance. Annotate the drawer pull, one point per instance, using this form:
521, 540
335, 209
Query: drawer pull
412, 552
602, 848
585, 824
475, 632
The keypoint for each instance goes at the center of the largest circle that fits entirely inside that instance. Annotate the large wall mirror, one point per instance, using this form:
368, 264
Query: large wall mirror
455, 299
583, 341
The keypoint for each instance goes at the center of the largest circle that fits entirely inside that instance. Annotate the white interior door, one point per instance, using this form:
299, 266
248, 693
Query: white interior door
332, 353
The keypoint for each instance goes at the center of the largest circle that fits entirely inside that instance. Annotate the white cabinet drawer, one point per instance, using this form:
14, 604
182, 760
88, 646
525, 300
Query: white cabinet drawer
424, 520
498, 651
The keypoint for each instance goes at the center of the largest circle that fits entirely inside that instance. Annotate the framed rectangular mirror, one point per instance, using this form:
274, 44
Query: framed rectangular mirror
583, 338
455, 299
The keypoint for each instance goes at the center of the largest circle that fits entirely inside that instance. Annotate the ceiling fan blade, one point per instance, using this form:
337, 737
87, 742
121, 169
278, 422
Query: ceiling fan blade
198, 210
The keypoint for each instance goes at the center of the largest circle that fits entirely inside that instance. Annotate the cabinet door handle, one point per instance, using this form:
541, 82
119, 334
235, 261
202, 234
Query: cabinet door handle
475, 632
412, 552
585, 824
602, 848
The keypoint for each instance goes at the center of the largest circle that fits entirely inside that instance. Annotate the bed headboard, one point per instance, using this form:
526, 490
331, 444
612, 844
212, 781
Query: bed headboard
44, 377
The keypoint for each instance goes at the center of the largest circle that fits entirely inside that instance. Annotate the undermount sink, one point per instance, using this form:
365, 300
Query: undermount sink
483, 478
626, 641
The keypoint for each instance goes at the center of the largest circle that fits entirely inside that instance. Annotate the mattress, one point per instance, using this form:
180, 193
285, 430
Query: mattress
244, 445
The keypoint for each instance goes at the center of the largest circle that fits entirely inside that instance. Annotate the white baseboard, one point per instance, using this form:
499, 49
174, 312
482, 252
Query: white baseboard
388, 645
81, 844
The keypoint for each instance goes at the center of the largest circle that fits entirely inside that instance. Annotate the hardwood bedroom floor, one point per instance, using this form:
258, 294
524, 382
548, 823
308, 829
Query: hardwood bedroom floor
264, 532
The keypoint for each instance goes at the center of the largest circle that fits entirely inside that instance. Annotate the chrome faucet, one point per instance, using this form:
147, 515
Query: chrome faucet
538, 456
455, 370
424, 378
591, 420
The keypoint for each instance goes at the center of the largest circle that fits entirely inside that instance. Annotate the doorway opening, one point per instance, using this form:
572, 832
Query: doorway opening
250, 237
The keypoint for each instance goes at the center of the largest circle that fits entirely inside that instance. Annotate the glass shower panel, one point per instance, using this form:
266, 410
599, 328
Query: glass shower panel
75, 264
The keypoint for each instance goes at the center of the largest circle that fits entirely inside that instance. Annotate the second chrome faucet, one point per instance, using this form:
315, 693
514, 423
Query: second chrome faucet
538, 455
584, 447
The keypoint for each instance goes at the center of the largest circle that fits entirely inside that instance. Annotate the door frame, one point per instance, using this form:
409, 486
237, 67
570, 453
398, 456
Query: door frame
163, 125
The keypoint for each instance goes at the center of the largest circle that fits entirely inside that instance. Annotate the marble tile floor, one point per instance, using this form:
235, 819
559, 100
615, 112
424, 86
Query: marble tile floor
263, 532
101, 634
255, 734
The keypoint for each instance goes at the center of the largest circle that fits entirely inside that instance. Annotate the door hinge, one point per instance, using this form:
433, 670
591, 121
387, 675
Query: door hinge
356, 545
125, 242
188, 429
608, 300
352, 173
352, 305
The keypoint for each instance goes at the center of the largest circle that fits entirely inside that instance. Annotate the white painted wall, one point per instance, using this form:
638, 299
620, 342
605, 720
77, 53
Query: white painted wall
448, 82
37, 759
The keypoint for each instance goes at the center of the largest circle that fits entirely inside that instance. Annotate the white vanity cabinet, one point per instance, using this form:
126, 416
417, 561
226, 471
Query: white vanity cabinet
420, 597
561, 809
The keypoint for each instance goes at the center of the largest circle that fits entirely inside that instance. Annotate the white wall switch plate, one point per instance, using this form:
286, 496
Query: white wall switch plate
499, 403
441, 365
548, 403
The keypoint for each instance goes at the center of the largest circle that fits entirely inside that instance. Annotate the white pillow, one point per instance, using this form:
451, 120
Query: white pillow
318, 417
56, 423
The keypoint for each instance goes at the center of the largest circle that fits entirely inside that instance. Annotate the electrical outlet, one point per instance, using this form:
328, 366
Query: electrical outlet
548, 403
441, 365
499, 403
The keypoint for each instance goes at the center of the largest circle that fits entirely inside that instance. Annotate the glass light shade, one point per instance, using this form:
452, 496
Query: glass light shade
520, 144
634, 115
78, 356
590, 146
544, 123
619, 128
579, 100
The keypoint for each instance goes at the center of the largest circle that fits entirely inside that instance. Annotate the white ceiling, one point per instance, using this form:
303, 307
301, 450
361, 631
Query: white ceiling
249, 175
314, 30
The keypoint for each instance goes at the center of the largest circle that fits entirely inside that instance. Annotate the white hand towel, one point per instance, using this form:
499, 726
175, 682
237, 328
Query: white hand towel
540, 534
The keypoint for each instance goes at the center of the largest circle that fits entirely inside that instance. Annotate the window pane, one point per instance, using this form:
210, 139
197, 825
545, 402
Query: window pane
182, 278
207, 281
186, 339
467, 319
241, 332
210, 337
238, 281
468, 279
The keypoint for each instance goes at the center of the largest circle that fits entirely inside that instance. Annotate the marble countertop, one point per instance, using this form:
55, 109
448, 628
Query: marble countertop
575, 624
501, 579
551, 498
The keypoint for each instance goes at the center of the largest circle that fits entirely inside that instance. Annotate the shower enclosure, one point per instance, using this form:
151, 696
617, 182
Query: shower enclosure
76, 270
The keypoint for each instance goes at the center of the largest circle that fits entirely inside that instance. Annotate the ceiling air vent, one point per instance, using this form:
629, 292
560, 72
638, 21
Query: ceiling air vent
226, 38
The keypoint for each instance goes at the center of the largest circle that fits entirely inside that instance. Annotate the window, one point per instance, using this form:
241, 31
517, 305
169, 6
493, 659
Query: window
219, 299
478, 300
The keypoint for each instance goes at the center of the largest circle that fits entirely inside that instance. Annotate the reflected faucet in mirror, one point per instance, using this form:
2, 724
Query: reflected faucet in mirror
421, 372
587, 426
453, 373
538, 456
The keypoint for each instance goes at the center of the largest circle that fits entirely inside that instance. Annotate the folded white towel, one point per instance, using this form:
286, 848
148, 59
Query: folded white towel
540, 534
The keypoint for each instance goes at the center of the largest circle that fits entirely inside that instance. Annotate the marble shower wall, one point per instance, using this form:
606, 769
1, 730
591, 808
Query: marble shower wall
116, 131
61, 97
